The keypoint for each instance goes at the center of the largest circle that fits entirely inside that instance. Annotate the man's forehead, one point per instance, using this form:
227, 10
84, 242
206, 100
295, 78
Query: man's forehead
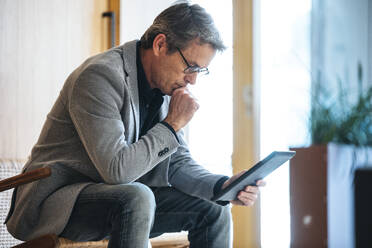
199, 53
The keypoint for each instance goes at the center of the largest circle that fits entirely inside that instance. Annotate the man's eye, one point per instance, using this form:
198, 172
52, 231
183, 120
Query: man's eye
194, 68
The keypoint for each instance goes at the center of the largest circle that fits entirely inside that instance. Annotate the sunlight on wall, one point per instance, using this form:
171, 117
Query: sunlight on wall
285, 100
210, 131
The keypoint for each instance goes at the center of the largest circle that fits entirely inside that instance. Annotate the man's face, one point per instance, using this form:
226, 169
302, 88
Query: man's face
169, 70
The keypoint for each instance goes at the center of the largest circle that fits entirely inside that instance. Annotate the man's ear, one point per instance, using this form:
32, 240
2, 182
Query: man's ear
159, 45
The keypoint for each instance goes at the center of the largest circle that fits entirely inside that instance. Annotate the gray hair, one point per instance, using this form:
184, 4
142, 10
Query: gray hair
182, 23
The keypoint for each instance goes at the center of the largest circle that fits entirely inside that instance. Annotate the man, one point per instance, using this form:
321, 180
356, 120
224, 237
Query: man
113, 140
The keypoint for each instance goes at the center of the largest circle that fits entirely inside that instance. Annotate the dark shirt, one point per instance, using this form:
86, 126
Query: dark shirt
150, 101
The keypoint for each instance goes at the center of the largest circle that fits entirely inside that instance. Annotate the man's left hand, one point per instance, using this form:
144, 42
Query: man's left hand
248, 196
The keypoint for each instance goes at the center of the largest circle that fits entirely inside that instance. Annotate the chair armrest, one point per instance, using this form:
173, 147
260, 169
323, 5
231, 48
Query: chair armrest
46, 241
24, 178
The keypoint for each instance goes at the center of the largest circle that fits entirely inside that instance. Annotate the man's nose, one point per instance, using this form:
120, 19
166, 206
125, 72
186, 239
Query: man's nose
191, 78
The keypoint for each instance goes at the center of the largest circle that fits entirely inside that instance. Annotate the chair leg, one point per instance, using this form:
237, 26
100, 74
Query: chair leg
46, 241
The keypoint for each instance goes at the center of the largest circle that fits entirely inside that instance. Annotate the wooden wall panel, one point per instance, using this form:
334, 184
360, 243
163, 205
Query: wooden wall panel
246, 118
41, 42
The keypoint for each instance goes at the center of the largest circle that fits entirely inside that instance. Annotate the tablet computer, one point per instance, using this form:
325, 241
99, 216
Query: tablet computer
257, 172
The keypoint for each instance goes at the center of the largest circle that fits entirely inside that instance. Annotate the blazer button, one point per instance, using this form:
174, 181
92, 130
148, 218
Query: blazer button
163, 152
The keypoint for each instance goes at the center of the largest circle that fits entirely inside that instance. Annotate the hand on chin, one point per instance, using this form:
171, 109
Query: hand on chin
176, 87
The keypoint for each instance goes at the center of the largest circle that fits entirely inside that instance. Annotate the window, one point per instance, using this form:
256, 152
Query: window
285, 102
210, 130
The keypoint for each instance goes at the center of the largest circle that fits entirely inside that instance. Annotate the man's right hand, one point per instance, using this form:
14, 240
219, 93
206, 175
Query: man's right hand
182, 107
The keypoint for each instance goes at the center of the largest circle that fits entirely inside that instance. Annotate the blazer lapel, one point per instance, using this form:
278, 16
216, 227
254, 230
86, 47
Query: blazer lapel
130, 67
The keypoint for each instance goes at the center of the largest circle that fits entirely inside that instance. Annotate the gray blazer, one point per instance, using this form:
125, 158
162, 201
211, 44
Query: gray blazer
91, 136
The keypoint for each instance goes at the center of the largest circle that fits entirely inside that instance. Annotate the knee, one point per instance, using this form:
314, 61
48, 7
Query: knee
136, 198
216, 216
133, 209
140, 198
222, 213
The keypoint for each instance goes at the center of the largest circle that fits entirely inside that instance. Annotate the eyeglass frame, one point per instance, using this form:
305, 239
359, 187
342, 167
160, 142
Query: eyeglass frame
190, 69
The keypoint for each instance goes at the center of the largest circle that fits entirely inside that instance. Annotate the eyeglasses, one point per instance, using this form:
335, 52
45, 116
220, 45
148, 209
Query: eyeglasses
190, 69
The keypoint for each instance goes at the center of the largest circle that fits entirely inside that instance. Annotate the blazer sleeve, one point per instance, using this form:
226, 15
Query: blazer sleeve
95, 103
188, 176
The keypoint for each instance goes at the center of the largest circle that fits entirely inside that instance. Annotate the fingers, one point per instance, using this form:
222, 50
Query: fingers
179, 90
261, 183
192, 97
252, 189
248, 199
185, 97
182, 107
249, 195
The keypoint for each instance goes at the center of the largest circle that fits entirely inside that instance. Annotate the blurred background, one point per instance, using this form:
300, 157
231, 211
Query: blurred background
296, 73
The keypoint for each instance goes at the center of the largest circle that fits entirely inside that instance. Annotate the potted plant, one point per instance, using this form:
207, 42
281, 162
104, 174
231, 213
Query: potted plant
321, 176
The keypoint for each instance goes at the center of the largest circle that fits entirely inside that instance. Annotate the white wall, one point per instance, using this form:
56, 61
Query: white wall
341, 35
137, 16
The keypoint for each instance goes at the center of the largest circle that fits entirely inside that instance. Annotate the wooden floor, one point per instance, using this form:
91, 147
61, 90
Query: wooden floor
169, 240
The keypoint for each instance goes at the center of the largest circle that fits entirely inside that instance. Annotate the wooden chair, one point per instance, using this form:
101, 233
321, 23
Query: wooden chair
52, 241
47, 241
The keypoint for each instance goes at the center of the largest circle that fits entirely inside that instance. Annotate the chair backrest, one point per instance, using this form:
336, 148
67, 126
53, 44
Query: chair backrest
8, 168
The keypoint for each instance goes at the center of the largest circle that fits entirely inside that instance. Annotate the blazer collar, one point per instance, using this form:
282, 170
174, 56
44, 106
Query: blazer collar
130, 69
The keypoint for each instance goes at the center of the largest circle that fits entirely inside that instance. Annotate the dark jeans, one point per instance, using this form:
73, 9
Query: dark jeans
129, 214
